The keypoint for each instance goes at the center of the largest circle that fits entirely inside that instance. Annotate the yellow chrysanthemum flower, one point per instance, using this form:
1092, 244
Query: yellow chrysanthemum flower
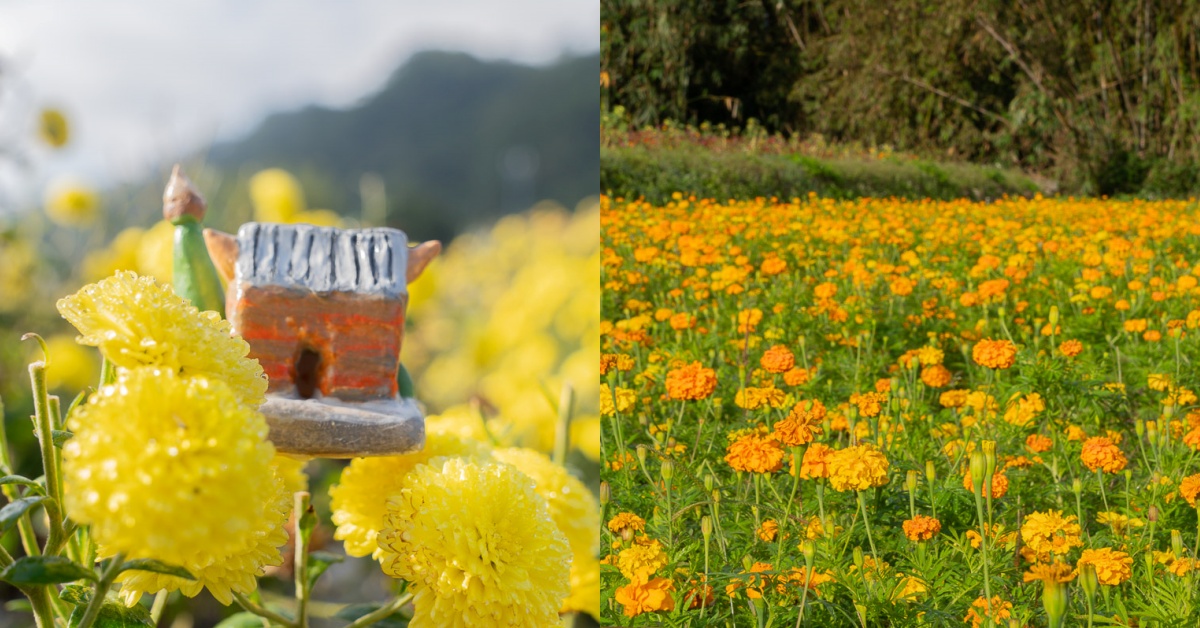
291, 473
572, 505
72, 204
585, 587
478, 545
71, 366
53, 127
276, 196
857, 468
176, 469
359, 500
137, 322
1112, 566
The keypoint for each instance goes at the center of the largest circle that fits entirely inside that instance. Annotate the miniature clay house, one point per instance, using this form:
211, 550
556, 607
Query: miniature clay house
322, 308
323, 311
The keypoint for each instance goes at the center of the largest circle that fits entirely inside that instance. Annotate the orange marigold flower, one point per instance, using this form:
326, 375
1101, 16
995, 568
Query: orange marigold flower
640, 561
1112, 567
1189, 488
936, 376
1037, 443
815, 463
1101, 453
994, 354
954, 398
754, 583
755, 398
773, 266
999, 485
768, 530
796, 377
1055, 572
756, 454
857, 468
626, 521
691, 382
869, 404
825, 290
778, 359
682, 321
981, 610
699, 595
921, 528
749, 319
1051, 533
1070, 348
801, 424
646, 597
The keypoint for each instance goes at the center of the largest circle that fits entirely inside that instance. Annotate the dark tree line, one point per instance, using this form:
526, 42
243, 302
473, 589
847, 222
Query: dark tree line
1104, 95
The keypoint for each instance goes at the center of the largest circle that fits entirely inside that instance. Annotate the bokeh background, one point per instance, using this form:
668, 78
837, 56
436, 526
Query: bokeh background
474, 123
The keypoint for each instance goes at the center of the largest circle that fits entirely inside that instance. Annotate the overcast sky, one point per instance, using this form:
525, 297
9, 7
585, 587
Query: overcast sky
144, 82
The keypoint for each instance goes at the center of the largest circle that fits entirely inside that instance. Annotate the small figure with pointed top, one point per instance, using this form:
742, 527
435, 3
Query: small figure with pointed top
323, 310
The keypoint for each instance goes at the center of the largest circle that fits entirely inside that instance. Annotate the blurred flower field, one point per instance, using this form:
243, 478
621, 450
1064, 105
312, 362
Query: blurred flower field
895, 413
502, 343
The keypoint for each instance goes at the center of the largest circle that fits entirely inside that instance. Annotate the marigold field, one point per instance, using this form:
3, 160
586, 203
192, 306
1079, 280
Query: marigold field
897, 413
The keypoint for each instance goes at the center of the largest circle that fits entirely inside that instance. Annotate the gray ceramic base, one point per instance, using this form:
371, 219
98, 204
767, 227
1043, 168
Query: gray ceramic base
327, 428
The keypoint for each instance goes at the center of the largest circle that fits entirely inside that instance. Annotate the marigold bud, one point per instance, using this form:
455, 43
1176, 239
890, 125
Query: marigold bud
605, 493
667, 470
978, 471
930, 471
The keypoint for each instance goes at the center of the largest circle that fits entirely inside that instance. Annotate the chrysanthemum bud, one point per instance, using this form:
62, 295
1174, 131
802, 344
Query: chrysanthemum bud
1128, 475
706, 527
1139, 428
641, 455
1152, 514
978, 471
809, 550
747, 562
605, 493
716, 496
989, 455
1002, 313
667, 470
858, 557
1077, 486
930, 471
1053, 316
910, 481
1088, 579
1177, 543
1054, 598
708, 481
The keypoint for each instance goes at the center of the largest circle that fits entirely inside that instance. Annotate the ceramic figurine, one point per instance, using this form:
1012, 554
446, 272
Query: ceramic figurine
323, 311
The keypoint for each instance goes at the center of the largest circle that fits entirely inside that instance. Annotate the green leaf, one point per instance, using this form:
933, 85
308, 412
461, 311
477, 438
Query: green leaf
76, 594
318, 562
241, 620
18, 479
113, 614
14, 509
60, 436
45, 570
156, 566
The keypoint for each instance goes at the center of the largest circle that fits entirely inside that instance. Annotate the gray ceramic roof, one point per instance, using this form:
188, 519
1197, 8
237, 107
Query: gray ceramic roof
323, 259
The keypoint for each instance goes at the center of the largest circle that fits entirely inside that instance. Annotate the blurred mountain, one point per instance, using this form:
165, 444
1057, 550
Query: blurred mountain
456, 141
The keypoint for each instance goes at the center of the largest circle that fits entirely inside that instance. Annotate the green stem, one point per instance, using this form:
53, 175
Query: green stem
45, 426
160, 602
562, 434
983, 547
255, 609
43, 611
1100, 481
101, 592
862, 503
300, 562
383, 612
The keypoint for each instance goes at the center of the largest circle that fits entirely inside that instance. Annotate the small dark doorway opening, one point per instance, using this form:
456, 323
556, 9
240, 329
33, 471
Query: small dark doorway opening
306, 372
